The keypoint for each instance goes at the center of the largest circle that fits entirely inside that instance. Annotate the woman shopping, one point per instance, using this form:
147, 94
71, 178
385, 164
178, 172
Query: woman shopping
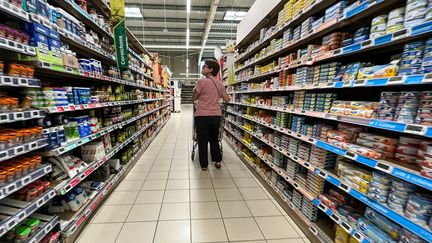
206, 96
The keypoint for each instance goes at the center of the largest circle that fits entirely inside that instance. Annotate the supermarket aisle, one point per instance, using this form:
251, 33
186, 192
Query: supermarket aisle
167, 198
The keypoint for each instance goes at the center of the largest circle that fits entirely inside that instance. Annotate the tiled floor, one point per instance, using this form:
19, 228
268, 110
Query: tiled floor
166, 198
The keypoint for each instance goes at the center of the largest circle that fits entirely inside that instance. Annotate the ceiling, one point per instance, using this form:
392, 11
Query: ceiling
150, 29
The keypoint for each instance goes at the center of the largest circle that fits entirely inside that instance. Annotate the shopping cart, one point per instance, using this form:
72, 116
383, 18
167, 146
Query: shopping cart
195, 140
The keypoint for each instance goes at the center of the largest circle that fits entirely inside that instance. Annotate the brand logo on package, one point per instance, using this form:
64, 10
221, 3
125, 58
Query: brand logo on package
120, 38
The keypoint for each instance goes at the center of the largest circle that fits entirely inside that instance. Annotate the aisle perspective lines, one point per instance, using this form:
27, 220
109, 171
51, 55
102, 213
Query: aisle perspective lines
167, 198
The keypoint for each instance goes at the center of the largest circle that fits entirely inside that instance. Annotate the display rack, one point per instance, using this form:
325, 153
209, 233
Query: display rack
263, 99
141, 99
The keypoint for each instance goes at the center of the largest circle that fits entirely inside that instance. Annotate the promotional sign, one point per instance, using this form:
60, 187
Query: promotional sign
120, 38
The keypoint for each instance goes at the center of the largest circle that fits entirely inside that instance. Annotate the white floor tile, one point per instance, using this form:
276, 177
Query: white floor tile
242, 229
128, 233
173, 231
208, 230
144, 212
175, 211
205, 210
100, 233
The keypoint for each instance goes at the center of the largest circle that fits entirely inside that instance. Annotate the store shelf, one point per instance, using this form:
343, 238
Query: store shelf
61, 109
312, 227
85, 48
9, 117
63, 188
22, 149
387, 167
17, 47
366, 9
77, 143
72, 8
14, 11
140, 71
16, 211
8, 188
10, 81
47, 224
46, 69
407, 128
423, 232
78, 218
394, 39
133, 53
316, 7
381, 208
342, 222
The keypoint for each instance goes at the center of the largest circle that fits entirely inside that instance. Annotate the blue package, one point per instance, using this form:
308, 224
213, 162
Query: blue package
35, 27
42, 8
373, 232
361, 38
392, 229
54, 35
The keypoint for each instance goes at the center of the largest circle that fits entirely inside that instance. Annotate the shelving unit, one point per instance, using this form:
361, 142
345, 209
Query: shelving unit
131, 110
277, 126
186, 94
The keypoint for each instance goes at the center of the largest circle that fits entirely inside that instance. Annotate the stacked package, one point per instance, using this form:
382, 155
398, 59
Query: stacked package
309, 210
378, 26
399, 193
306, 27
395, 20
354, 176
334, 12
322, 158
315, 184
415, 12
297, 7
426, 66
412, 56
379, 187
93, 151
407, 107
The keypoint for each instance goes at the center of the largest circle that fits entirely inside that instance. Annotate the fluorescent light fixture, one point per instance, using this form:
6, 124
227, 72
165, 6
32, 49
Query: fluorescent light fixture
188, 6
133, 12
187, 63
187, 38
187, 72
178, 47
234, 15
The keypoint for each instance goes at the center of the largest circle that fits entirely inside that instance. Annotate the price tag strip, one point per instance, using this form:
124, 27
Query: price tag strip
61, 109
11, 187
44, 229
376, 123
22, 149
20, 116
19, 210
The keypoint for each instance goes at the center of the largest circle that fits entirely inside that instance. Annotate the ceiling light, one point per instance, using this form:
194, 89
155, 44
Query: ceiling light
165, 30
188, 6
187, 38
133, 12
234, 15
187, 63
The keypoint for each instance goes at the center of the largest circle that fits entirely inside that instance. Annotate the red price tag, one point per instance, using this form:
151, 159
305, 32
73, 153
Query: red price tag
89, 171
75, 182
60, 109
80, 220
87, 74
91, 105
72, 107
81, 107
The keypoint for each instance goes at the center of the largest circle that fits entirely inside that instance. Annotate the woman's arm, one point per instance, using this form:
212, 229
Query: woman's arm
196, 91
225, 95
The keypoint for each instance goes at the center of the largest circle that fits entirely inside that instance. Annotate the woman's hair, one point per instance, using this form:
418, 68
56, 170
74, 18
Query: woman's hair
213, 64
